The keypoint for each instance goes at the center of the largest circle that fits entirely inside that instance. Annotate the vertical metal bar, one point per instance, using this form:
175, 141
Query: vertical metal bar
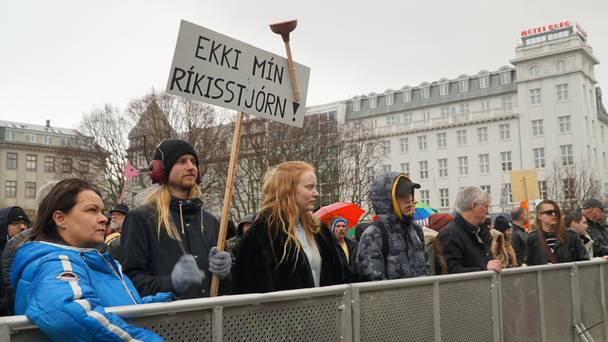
496, 307
541, 305
346, 330
356, 314
603, 298
217, 324
436, 311
576, 301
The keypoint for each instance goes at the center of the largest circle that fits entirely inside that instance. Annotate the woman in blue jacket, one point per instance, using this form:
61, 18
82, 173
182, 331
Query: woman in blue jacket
63, 282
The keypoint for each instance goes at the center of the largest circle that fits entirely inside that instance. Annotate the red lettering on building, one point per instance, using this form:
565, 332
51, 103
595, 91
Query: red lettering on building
547, 28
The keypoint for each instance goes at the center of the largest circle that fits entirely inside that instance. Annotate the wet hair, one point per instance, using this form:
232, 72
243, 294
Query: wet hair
572, 217
63, 197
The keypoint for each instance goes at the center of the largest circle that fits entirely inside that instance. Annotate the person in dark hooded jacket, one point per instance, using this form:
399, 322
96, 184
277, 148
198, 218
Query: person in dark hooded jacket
13, 220
393, 246
232, 244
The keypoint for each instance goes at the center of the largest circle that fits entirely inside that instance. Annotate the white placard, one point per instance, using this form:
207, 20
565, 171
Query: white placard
213, 68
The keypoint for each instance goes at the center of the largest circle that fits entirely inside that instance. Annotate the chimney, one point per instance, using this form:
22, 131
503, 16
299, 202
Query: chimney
48, 123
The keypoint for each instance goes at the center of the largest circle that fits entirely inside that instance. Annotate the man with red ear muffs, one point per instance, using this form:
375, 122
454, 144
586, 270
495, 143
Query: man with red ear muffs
168, 244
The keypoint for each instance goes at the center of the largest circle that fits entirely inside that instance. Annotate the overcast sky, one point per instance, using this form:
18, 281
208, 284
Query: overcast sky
60, 59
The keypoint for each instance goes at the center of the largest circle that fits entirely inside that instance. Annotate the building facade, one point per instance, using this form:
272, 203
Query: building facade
543, 110
32, 155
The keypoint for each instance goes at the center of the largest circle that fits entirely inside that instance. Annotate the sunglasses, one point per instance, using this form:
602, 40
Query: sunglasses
549, 212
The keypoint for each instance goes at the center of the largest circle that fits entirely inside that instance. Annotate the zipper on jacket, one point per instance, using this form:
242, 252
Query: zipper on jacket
120, 277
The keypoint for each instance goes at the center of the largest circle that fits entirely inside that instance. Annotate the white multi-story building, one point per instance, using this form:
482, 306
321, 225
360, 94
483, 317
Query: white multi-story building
475, 129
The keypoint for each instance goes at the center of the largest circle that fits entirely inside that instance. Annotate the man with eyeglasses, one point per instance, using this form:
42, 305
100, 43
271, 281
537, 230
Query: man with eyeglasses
593, 210
13, 220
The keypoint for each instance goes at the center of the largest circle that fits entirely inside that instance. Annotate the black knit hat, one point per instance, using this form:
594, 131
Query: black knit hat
120, 208
17, 214
170, 150
501, 224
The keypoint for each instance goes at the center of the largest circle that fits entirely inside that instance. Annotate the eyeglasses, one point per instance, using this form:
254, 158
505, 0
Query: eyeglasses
549, 212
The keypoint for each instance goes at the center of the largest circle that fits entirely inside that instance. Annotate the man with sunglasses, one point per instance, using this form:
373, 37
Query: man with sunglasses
593, 210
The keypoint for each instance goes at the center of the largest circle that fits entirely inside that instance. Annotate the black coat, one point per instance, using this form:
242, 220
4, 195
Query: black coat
350, 268
462, 250
257, 270
518, 241
574, 250
148, 260
599, 234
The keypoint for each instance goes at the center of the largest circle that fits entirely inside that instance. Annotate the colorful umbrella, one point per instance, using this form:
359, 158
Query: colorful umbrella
423, 211
349, 211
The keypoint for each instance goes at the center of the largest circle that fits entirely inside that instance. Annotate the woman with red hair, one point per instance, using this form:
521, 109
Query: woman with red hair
287, 247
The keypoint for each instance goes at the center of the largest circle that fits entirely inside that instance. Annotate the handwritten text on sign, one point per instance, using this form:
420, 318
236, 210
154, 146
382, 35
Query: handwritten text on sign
213, 68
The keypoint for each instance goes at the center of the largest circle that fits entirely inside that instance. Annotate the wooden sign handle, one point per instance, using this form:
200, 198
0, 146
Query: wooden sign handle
221, 238
292, 74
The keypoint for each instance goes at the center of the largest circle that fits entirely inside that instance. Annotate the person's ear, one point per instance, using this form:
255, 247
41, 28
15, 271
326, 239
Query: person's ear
59, 218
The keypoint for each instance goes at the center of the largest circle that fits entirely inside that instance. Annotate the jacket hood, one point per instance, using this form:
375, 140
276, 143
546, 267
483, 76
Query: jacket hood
4, 226
382, 194
35, 251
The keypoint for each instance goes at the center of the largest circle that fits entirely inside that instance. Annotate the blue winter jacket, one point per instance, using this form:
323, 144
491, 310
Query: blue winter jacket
64, 290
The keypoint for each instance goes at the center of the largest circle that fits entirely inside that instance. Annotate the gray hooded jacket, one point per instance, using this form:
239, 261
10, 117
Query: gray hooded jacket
405, 256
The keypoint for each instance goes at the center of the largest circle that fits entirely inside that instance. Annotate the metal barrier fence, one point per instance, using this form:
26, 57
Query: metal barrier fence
564, 302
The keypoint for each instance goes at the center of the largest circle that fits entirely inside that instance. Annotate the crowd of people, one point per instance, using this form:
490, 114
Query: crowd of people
75, 259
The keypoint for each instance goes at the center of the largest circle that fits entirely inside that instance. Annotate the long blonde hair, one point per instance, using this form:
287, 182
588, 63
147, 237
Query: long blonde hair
278, 199
161, 199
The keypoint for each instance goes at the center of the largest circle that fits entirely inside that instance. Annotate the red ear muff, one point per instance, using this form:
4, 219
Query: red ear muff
157, 172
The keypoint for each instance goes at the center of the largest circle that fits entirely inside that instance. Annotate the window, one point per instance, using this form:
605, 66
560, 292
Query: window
505, 160
407, 118
426, 116
562, 92
507, 103
482, 135
567, 156
533, 71
386, 147
537, 128
30, 162
386, 168
392, 120
542, 188
425, 92
30, 189
461, 137
422, 143
83, 166
539, 157
11, 161
485, 105
602, 131
486, 188
407, 96
49, 164
356, 105
442, 140
484, 163
389, 99
10, 189
463, 166
424, 169
564, 124
605, 161
569, 188
444, 198
508, 192
484, 81
463, 85
444, 88
403, 145
372, 102
66, 165
585, 93
504, 131
561, 66
464, 108
405, 167
48, 140
9, 135
446, 111
505, 77
535, 98
425, 196
443, 167
30, 138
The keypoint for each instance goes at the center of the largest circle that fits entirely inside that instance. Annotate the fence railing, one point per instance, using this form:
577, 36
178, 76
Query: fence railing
564, 302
